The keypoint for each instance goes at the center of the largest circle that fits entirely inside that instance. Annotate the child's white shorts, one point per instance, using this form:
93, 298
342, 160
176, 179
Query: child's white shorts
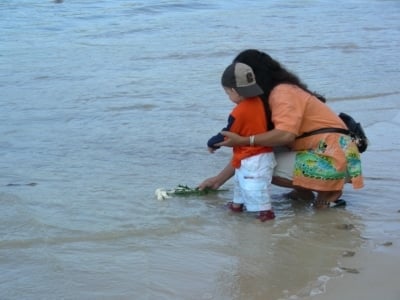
253, 180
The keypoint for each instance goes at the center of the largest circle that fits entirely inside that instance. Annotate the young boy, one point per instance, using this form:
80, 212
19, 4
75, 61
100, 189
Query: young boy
253, 164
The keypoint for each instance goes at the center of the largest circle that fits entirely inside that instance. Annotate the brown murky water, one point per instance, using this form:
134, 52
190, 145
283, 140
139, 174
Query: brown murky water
104, 102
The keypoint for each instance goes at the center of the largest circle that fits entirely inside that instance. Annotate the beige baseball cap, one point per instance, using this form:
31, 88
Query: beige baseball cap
241, 77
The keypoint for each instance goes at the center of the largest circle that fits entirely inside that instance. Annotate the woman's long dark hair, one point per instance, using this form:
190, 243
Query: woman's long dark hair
269, 73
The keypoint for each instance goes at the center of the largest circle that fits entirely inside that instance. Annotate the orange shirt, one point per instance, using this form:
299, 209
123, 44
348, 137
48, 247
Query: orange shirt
249, 119
296, 111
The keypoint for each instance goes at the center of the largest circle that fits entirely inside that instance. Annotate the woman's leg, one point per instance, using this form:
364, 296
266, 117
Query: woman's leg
283, 176
297, 193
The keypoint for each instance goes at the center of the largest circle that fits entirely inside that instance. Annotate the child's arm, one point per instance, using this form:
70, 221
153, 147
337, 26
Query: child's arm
219, 137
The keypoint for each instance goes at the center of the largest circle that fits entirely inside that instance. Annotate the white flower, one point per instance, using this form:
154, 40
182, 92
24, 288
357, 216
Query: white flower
161, 194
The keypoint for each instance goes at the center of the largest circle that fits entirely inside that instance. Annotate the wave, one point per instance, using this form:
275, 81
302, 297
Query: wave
363, 97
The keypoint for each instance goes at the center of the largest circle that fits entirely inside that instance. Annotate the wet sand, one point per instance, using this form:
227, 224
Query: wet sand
378, 277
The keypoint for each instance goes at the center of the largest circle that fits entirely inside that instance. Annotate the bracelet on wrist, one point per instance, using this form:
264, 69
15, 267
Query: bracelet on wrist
252, 138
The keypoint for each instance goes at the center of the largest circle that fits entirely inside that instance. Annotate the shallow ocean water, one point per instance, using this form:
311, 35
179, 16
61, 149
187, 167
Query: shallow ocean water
103, 102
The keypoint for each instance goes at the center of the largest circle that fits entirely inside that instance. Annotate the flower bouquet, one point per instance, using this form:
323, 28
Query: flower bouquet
183, 190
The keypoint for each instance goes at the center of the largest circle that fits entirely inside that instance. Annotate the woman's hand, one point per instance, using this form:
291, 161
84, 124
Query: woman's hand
233, 139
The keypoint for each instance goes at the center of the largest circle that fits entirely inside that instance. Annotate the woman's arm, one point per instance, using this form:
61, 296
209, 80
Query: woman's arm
272, 138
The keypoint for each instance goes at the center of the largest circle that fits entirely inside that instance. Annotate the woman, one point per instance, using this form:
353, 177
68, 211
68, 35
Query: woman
312, 162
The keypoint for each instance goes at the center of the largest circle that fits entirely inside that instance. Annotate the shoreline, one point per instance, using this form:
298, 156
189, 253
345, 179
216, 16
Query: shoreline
374, 272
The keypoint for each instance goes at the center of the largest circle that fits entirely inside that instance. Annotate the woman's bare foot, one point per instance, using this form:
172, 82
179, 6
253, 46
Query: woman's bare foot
326, 199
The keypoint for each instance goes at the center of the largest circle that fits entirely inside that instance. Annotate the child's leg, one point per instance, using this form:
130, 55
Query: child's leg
237, 204
255, 180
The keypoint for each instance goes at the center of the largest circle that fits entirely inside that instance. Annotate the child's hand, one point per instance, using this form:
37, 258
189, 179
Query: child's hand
211, 150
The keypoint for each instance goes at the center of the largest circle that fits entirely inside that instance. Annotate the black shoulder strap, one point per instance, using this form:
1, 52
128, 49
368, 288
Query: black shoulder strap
324, 130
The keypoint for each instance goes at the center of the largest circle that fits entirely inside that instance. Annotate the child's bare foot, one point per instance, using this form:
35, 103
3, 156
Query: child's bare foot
235, 207
266, 215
